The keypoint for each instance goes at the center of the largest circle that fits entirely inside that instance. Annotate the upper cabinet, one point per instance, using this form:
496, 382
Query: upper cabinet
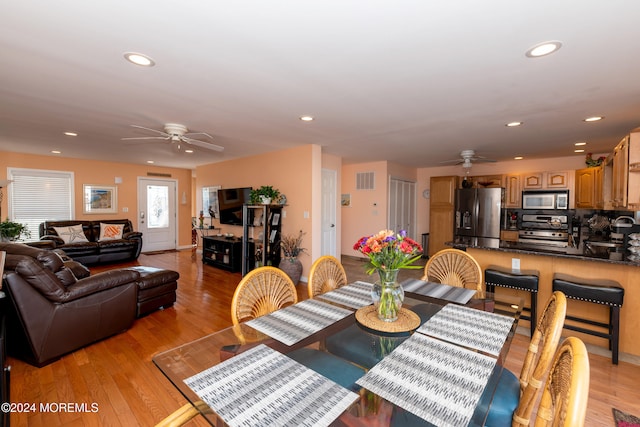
513, 191
544, 180
485, 181
620, 160
589, 188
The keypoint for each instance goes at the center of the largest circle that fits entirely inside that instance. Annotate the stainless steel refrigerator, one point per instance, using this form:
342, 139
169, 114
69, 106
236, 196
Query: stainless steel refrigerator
478, 216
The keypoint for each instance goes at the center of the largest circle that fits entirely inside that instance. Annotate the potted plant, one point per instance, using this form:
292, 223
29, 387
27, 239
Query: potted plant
264, 195
291, 246
10, 231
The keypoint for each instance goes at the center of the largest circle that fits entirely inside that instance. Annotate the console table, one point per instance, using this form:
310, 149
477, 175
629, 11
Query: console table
222, 252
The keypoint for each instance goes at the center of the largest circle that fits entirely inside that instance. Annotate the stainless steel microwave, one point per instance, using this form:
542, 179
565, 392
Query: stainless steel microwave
545, 199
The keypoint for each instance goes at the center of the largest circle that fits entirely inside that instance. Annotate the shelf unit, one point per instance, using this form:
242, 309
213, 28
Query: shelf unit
222, 252
263, 248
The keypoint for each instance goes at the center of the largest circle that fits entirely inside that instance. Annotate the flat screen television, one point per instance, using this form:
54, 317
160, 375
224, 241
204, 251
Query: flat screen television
230, 201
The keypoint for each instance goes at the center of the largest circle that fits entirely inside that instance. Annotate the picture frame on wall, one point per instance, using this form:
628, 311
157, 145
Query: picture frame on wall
345, 200
100, 199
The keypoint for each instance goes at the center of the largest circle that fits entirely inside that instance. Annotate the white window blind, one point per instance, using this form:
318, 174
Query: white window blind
39, 195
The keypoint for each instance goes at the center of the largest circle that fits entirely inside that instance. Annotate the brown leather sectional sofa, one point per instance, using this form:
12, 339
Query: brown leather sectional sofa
55, 306
94, 251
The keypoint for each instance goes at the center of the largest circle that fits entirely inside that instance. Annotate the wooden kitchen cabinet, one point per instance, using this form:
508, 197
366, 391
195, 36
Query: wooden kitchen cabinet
546, 180
441, 211
589, 188
620, 173
513, 191
486, 181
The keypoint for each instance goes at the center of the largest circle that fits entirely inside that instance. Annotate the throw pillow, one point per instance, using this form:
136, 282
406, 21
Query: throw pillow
110, 231
71, 234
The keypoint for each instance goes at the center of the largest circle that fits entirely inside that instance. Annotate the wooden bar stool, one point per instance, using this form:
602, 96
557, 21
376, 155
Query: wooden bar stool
598, 291
522, 280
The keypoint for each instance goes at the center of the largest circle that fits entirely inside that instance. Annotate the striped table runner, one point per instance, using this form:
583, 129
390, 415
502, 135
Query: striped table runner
435, 380
355, 295
261, 387
438, 290
469, 327
294, 323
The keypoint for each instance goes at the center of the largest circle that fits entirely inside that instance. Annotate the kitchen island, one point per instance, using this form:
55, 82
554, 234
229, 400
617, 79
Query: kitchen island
621, 268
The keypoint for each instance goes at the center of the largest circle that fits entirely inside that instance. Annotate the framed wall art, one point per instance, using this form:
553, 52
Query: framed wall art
100, 199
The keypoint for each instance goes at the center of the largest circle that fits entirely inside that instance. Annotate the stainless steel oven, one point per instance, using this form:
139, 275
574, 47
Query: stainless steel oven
544, 231
545, 199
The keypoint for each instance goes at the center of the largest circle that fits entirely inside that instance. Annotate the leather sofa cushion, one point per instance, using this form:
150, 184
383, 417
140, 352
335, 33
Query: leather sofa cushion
42, 279
66, 276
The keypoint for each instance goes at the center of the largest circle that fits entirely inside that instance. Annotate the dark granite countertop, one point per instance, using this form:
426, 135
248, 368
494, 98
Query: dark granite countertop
610, 257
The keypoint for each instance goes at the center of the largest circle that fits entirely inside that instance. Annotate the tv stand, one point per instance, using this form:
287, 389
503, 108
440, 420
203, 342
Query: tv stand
222, 252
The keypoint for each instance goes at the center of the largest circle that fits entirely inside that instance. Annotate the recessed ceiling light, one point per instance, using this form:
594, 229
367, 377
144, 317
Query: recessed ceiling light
543, 49
518, 158
577, 144
594, 119
579, 150
139, 59
306, 118
56, 151
513, 124
188, 151
71, 134
150, 162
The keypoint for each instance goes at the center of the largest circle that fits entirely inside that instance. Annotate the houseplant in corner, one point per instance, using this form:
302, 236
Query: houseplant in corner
292, 247
264, 195
11, 231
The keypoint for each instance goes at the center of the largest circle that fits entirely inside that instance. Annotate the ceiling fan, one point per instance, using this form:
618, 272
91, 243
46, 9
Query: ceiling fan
467, 157
177, 134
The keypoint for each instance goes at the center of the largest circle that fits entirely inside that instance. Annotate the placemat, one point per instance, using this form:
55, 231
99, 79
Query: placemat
296, 322
438, 290
354, 295
407, 320
261, 387
469, 327
435, 380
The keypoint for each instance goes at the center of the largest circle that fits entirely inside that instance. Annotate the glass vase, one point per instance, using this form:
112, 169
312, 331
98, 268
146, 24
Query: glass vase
387, 295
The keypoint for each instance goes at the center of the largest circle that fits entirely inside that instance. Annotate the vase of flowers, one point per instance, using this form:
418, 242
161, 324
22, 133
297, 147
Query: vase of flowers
388, 253
291, 246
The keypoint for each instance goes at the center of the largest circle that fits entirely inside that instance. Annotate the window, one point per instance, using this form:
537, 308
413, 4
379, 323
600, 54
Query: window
35, 196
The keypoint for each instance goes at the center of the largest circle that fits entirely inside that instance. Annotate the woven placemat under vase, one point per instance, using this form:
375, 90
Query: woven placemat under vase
407, 320
622, 419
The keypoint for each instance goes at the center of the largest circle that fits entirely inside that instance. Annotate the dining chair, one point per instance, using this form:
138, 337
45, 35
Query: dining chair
515, 398
565, 395
455, 268
262, 291
326, 274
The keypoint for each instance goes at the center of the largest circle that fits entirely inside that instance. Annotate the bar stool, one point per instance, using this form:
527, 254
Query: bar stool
598, 291
522, 280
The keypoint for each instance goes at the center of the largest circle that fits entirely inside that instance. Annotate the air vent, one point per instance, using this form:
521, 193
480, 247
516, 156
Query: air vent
365, 181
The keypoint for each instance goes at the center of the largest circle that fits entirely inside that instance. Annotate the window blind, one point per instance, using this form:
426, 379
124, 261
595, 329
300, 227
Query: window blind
39, 195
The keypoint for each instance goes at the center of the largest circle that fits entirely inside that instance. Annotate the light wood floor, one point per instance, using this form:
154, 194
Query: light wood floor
118, 375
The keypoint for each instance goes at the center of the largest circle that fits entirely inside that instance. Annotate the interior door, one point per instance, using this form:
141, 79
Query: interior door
329, 207
157, 214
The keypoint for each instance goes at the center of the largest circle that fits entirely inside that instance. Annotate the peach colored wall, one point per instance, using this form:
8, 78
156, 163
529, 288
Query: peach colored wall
104, 173
291, 171
368, 211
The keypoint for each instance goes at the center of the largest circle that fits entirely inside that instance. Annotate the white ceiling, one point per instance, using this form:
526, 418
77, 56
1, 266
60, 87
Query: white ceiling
412, 82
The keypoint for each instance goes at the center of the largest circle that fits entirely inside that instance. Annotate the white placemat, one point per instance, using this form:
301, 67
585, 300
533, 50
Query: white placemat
438, 290
469, 327
294, 323
355, 295
261, 387
437, 381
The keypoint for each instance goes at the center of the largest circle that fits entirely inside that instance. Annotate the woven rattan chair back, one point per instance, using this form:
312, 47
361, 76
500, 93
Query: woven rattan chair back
327, 274
537, 362
262, 291
455, 268
565, 395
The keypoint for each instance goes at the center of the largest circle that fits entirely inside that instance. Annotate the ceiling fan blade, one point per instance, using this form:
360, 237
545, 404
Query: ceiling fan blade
191, 134
203, 144
152, 130
144, 137
455, 161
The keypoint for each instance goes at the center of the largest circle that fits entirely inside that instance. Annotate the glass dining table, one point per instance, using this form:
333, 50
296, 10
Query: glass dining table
441, 368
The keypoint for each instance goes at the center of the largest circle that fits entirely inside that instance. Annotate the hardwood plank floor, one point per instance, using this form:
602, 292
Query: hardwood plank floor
118, 376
